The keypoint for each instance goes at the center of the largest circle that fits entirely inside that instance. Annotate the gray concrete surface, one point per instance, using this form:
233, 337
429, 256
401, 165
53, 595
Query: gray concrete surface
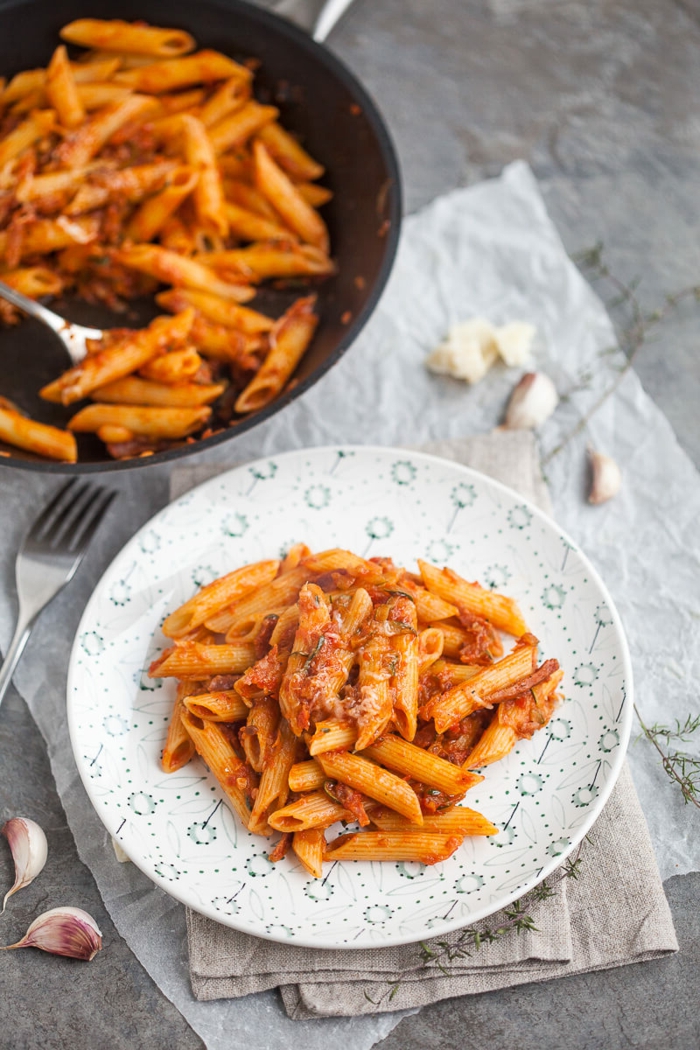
601, 99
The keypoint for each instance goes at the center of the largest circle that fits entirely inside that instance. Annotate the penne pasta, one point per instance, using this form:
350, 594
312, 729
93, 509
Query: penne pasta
403, 757
203, 67
17, 430
289, 339
119, 360
214, 308
143, 420
26, 134
134, 391
474, 693
309, 847
214, 596
179, 749
456, 821
280, 592
34, 281
332, 735
208, 193
214, 747
147, 162
275, 258
61, 90
196, 660
373, 781
306, 776
315, 810
274, 782
289, 154
422, 846
116, 35
153, 214
238, 127
324, 660
232, 95
502, 612
280, 191
172, 268
224, 706
87, 140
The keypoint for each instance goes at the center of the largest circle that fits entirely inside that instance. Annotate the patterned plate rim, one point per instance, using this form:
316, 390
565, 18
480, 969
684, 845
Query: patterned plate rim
447, 926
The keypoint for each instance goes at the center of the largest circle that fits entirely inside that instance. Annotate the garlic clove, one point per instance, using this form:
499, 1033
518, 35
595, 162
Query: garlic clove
606, 477
29, 850
63, 931
532, 402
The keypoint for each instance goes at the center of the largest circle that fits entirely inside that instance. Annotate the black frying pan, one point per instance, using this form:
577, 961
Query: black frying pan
320, 100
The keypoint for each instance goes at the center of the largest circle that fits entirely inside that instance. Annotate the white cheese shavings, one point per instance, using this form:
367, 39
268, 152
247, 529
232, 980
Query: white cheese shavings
471, 347
467, 353
514, 342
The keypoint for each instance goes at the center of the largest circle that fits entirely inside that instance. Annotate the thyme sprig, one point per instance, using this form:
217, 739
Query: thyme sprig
682, 768
633, 333
440, 954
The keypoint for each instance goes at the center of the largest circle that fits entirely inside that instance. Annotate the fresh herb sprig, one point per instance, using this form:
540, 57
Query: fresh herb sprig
634, 326
682, 768
440, 954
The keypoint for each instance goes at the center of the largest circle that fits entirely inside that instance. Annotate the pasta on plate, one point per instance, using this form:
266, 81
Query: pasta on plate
147, 167
326, 688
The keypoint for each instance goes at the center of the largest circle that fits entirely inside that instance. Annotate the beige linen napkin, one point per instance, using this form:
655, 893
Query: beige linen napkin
614, 913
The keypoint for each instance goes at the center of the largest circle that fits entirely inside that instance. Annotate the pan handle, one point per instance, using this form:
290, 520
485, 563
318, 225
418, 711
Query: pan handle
306, 13
331, 12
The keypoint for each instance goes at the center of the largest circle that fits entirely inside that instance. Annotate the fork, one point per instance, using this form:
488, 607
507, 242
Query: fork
49, 556
72, 336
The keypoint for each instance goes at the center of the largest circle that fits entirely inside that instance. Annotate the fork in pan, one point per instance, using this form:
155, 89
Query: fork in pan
49, 556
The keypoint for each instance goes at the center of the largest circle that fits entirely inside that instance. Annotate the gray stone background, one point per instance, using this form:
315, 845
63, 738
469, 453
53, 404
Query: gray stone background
601, 99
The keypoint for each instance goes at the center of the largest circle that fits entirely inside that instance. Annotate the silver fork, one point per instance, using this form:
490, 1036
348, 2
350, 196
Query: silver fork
49, 556
72, 336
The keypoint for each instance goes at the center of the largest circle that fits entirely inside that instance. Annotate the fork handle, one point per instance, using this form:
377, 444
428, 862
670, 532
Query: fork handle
34, 309
15, 650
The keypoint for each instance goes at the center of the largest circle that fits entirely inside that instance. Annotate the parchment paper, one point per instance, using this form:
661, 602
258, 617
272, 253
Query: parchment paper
489, 250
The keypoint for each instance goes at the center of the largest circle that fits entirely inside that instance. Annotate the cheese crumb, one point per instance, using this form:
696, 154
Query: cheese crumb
468, 351
471, 347
514, 342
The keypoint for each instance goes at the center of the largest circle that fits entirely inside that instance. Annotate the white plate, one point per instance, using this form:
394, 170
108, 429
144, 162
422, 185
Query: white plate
545, 795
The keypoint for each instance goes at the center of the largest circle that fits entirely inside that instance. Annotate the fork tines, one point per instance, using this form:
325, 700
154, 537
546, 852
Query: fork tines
69, 521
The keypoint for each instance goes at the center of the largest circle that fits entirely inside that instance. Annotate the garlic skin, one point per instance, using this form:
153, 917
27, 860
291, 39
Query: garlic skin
63, 931
606, 477
29, 850
532, 402
119, 853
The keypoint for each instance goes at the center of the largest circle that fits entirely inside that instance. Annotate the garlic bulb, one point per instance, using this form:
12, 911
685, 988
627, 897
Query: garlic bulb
533, 400
29, 850
63, 931
606, 477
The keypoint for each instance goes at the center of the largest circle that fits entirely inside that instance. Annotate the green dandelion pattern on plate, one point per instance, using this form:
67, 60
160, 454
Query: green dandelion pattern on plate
181, 828
585, 675
403, 472
317, 497
519, 518
553, 597
235, 525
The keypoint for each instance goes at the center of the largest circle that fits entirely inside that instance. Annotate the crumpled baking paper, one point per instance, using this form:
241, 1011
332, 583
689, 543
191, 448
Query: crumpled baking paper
490, 251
